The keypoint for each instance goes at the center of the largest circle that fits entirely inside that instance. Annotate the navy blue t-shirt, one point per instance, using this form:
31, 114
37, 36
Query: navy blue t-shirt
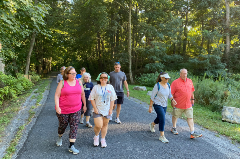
87, 89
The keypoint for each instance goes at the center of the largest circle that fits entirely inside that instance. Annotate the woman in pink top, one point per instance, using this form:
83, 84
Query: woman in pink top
68, 103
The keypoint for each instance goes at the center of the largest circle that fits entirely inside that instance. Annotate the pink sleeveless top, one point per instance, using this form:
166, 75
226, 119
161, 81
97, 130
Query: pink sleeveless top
70, 98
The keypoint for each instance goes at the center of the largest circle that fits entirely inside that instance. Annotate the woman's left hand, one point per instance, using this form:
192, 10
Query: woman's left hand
110, 112
84, 108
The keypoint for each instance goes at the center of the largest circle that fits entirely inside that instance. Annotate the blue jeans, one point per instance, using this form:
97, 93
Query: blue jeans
160, 119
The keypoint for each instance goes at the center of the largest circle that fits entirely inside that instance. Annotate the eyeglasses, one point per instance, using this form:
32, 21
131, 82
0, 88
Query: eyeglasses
103, 78
166, 78
72, 74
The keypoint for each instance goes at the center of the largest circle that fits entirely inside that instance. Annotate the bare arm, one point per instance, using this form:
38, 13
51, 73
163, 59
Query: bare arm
192, 97
150, 106
93, 102
83, 97
57, 96
126, 86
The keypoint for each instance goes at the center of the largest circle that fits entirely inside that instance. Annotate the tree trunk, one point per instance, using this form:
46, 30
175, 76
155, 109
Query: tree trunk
227, 31
30, 52
129, 43
30, 49
185, 33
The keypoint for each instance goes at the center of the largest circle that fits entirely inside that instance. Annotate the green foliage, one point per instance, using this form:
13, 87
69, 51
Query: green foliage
35, 77
211, 92
11, 87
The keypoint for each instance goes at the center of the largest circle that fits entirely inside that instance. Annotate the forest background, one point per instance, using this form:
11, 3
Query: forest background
165, 35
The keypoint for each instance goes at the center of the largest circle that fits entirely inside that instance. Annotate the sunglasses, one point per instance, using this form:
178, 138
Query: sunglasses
166, 78
103, 78
72, 74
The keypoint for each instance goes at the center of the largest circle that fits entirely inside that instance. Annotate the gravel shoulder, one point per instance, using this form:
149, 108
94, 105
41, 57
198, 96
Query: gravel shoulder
131, 139
22, 119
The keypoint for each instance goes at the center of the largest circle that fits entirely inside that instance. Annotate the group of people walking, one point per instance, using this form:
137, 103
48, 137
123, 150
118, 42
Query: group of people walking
76, 97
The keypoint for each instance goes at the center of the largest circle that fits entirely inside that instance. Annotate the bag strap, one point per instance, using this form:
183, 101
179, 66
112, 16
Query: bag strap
159, 87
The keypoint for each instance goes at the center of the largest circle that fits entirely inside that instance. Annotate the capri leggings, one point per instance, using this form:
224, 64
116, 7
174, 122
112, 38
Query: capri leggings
160, 119
72, 119
89, 108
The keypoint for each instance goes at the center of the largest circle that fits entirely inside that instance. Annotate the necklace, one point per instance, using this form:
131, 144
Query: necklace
104, 94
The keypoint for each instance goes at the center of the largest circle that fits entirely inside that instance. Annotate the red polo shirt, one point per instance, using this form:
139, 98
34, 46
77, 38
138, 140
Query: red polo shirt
182, 92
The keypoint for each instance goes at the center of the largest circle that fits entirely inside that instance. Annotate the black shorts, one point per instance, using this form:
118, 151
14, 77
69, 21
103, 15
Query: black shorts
120, 96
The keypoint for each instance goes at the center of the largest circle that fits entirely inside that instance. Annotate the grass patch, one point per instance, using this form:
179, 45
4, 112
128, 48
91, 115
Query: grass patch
13, 106
12, 148
202, 116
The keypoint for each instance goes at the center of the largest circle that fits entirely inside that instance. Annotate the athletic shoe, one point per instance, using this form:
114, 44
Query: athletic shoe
163, 139
103, 143
96, 140
88, 125
195, 135
117, 120
174, 131
73, 150
152, 127
59, 141
81, 120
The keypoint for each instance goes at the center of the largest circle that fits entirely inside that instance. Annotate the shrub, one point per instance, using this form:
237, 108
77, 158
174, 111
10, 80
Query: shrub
211, 92
10, 86
35, 77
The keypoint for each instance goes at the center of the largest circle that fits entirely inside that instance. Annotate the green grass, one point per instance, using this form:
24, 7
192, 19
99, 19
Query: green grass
202, 116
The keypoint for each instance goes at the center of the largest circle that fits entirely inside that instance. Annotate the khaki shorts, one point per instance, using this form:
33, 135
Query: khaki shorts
187, 112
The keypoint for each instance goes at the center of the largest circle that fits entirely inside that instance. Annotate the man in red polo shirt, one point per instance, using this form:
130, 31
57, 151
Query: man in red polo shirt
182, 90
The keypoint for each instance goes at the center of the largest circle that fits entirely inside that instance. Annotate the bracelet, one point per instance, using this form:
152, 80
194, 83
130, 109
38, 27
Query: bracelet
171, 100
128, 90
192, 99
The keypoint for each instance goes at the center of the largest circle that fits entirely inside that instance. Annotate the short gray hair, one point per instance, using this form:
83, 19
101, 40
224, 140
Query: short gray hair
88, 74
182, 69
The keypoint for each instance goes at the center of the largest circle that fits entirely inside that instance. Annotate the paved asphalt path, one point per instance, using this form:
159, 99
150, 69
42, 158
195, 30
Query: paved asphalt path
131, 139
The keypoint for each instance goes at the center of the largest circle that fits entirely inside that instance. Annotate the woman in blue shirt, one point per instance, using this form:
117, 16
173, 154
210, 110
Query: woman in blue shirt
88, 86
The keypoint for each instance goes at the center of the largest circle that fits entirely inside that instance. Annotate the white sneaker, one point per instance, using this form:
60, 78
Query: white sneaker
96, 140
103, 143
117, 120
81, 120
163, 139
152, 127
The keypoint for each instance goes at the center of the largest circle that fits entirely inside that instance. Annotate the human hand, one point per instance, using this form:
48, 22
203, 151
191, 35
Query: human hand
174, 102
96, 111
192, 101
84, 108
128, 94
150, 109
58, 110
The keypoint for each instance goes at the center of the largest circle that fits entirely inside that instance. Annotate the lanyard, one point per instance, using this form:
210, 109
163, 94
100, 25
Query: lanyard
104, 94
104, 91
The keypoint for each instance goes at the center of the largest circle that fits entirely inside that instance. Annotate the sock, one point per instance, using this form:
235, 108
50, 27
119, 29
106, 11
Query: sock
97, 136
192, 132
87, 122
174, 127
102, 139
71, 143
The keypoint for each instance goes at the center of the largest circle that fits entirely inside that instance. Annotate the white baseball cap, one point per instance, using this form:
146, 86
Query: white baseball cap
165, 75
